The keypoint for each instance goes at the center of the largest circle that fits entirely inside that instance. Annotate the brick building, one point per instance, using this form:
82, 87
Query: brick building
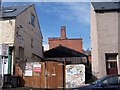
73, 43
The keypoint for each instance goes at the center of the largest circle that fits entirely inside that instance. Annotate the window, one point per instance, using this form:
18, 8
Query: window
111, 60
32, 20
32, 43
112, 64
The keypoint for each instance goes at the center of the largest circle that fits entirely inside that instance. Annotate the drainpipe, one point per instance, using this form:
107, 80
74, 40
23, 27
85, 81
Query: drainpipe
118, 64
12, 63
65, 73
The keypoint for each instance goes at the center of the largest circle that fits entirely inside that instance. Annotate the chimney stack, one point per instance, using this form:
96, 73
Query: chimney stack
63, 32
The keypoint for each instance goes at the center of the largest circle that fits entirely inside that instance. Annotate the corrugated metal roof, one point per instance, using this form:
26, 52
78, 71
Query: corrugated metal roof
101, 6
13, 11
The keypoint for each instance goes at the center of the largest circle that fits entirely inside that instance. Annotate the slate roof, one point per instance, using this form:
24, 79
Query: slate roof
87, 52
62, 51
13, 11
106, 6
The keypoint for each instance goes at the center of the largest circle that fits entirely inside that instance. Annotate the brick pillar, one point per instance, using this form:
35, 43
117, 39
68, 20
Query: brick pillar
63, 32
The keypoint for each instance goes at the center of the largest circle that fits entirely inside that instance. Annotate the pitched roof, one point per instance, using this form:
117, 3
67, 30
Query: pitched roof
13, 11
106, 6
87, 52
62, 51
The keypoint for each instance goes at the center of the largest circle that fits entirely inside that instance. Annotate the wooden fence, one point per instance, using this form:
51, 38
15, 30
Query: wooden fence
55, 74
50, 76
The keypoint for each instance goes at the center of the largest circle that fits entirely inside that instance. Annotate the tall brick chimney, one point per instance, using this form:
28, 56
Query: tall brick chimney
63, 32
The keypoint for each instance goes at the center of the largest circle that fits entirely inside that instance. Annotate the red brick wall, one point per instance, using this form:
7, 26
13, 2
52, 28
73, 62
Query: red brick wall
63, 32
75, 44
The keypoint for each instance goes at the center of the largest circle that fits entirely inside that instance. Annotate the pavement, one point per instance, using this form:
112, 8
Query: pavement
9, 87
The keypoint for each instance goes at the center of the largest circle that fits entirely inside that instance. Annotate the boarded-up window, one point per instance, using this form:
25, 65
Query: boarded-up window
21, 52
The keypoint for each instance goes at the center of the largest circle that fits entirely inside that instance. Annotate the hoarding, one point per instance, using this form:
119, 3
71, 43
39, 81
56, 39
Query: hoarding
28, 69
37, 68
32, 68
28, 72
75, 75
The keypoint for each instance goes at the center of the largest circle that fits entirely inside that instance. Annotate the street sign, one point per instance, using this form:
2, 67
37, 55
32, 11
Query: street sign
4, 49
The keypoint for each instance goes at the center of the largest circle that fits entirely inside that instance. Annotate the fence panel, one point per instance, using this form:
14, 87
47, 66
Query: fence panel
54, 77
37, 80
